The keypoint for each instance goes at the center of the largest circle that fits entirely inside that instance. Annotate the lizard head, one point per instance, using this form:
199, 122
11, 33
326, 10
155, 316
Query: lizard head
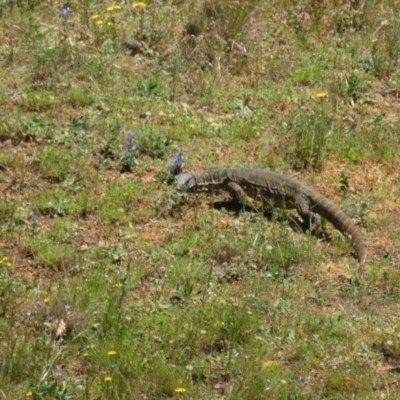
185, 182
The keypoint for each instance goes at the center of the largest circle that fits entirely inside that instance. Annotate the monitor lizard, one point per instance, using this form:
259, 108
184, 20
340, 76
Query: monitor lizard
273, 189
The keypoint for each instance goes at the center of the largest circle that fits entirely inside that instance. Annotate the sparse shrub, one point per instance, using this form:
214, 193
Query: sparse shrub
385, 49
308, 131
39, 101
23, 127
151, 87
50, 253
217, 30
318, 17
117, 203
108, 141
79, 98
228, 18
354, 87
384, 138
286, 251
54, 163
153, 144
307, 74
49, 388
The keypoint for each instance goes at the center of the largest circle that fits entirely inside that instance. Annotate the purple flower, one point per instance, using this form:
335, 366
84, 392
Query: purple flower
58, 370
35, 220
177, 160
132, 135
67, 308
65, 11
130, 147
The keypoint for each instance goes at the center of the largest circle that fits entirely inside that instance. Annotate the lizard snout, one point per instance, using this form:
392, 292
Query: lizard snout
185, 182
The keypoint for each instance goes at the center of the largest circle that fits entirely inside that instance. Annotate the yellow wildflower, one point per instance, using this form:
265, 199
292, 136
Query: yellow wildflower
141, 5
85, 354
29, 393
99, 22
96, 16
112, 353
46, 300
321, 95
108, 378
271, 364
109, 23
76, 35
5, 261
180, 390
113, 8
118, 285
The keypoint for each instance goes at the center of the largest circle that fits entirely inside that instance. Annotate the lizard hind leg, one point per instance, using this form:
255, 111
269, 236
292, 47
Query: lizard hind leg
311, 220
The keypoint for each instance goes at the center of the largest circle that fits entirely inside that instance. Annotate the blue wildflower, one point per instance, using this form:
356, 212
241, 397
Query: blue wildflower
65, 11
128, 158
177, 160
58, 370
177, 163
132, 135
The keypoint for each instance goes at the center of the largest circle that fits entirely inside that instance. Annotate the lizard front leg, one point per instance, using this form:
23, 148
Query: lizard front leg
231, 197
237, 193
240, 198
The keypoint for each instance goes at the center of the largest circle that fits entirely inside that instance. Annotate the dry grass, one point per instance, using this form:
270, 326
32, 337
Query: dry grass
225, 306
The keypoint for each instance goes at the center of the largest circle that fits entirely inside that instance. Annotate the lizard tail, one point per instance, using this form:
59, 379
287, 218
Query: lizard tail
331, 212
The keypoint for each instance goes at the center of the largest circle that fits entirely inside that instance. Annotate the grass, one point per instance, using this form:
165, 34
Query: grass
115, 286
